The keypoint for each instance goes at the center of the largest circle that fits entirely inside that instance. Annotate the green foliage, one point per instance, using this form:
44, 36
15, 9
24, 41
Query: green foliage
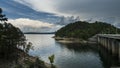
51, 58
13, 45
84, 30
28, 47
2, 16
11, 39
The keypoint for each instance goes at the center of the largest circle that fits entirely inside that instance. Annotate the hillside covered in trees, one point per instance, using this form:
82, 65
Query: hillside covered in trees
84, 30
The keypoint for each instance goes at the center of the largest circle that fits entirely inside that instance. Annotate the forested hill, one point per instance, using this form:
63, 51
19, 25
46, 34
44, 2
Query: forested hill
85, 30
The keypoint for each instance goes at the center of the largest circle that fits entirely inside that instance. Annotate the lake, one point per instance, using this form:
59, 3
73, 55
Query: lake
66, 55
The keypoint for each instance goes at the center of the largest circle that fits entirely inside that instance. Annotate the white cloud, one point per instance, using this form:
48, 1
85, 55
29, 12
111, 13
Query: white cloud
28, 22
28, 25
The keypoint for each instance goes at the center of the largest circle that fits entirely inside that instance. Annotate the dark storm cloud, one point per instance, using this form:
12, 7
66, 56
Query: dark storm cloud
98, 8
90, 10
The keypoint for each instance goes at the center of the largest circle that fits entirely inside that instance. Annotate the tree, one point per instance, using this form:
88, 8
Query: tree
12, 39
0, 10
51, 59
84, 30
28, 47
2, 16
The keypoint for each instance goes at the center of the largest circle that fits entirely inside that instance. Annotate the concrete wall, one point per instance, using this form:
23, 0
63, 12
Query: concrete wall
111, 44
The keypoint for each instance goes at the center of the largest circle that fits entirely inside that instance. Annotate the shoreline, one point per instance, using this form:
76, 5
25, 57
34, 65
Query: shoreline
24, 60
69, 40
32, 60
73, 40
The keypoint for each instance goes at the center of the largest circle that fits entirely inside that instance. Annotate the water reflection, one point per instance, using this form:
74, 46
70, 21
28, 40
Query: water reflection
77, 47
69, 55
80, 56
107, 58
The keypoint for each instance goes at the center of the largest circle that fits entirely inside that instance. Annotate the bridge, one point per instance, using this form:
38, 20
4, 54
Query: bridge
111, 42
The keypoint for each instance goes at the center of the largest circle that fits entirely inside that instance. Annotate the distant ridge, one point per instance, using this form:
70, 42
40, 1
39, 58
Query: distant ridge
39, 32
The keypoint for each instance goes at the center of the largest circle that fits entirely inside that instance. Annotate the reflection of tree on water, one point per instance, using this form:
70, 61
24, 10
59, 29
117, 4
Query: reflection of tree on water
77, 47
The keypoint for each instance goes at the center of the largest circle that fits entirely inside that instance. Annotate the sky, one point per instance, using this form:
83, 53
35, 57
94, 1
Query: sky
46, 15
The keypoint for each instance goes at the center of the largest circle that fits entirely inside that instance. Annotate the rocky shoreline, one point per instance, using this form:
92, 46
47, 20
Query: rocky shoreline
24, 61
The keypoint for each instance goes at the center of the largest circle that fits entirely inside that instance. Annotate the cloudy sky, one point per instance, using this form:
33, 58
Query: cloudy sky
43, 15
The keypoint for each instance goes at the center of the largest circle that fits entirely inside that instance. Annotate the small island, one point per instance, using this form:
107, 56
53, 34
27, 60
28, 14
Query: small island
82, 31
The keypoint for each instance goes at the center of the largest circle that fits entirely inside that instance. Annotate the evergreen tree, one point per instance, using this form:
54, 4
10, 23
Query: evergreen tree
11, 39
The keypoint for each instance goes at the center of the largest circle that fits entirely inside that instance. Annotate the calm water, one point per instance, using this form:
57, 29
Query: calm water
66, 55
